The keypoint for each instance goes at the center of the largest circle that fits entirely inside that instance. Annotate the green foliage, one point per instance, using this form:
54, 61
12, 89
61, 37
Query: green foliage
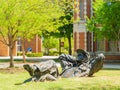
56, 53
65, 22
19, 53
64, 51
65, 27
53, 53
20, 18
50, 42
27, 17
34, 54
106, 20
65, 40
24, 19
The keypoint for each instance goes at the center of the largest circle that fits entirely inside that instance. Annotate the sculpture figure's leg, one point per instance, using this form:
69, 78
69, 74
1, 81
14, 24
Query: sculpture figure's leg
47, 77
96, 64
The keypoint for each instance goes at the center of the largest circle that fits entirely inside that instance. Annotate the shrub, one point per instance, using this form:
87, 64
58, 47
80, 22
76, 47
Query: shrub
19, 54
64, 52
53, 53
34, 54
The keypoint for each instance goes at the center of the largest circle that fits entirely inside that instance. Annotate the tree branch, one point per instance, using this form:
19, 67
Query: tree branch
4, 40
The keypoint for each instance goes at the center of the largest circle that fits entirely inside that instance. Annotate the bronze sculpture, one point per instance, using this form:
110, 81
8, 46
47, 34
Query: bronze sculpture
42, 71
82, 65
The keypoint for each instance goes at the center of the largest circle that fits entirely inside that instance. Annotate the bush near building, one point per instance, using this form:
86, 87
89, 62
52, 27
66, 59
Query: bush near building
34, 54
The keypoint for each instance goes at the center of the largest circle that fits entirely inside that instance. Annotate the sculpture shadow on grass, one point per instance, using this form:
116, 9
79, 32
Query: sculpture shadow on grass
26, 81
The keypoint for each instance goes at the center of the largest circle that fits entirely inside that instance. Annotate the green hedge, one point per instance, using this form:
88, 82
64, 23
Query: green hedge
56, 53
34, 54
53, 53
19, 54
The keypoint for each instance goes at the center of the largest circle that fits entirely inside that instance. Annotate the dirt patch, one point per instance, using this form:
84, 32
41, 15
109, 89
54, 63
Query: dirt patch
4, 67
12, 70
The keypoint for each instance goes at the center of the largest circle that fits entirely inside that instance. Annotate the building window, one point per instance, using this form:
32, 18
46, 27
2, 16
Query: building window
100, 45
81, 9
19, 45
112, 46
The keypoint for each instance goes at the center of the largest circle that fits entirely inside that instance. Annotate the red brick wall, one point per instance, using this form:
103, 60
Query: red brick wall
79, 37
30, 44
112, 57
79, 40
75, 41
82, 40
39, 45
89, 8
35, 44
3, 50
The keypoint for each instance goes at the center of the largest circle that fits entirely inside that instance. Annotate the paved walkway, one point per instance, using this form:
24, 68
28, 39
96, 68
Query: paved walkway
5, 65
31, 58
38, 59
114, 66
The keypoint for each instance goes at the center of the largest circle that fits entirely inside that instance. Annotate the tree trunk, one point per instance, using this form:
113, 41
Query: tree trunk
69, 43
23, 51
59, 46
47, 51
11, 56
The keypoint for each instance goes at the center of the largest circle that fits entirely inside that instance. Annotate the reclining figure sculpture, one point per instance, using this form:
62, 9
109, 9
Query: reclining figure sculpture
81, 66
43, 71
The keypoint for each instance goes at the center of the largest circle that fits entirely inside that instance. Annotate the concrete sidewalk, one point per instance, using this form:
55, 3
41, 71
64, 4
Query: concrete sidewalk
31, 58
37, 59
114, 66
105, 66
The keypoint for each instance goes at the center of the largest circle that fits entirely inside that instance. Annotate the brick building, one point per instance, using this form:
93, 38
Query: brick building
84, 39
35, 44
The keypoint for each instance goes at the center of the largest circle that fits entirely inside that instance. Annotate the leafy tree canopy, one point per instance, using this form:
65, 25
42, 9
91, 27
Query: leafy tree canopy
25, 18
106, 19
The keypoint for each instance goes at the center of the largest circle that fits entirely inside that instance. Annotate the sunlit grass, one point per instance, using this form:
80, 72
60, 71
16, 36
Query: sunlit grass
103, 80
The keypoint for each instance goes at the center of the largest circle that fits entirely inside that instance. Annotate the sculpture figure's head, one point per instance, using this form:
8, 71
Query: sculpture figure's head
62, 57
82, 55
29, 68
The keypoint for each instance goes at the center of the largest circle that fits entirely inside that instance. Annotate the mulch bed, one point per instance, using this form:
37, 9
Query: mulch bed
12, 70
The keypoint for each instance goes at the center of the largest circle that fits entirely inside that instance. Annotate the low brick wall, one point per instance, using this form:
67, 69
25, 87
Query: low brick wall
112, 57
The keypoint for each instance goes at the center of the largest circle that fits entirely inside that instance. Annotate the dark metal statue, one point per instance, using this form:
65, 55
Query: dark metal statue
82, 65
44, 71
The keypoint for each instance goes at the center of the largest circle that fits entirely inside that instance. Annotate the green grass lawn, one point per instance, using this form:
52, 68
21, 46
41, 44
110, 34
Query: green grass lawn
102, 80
